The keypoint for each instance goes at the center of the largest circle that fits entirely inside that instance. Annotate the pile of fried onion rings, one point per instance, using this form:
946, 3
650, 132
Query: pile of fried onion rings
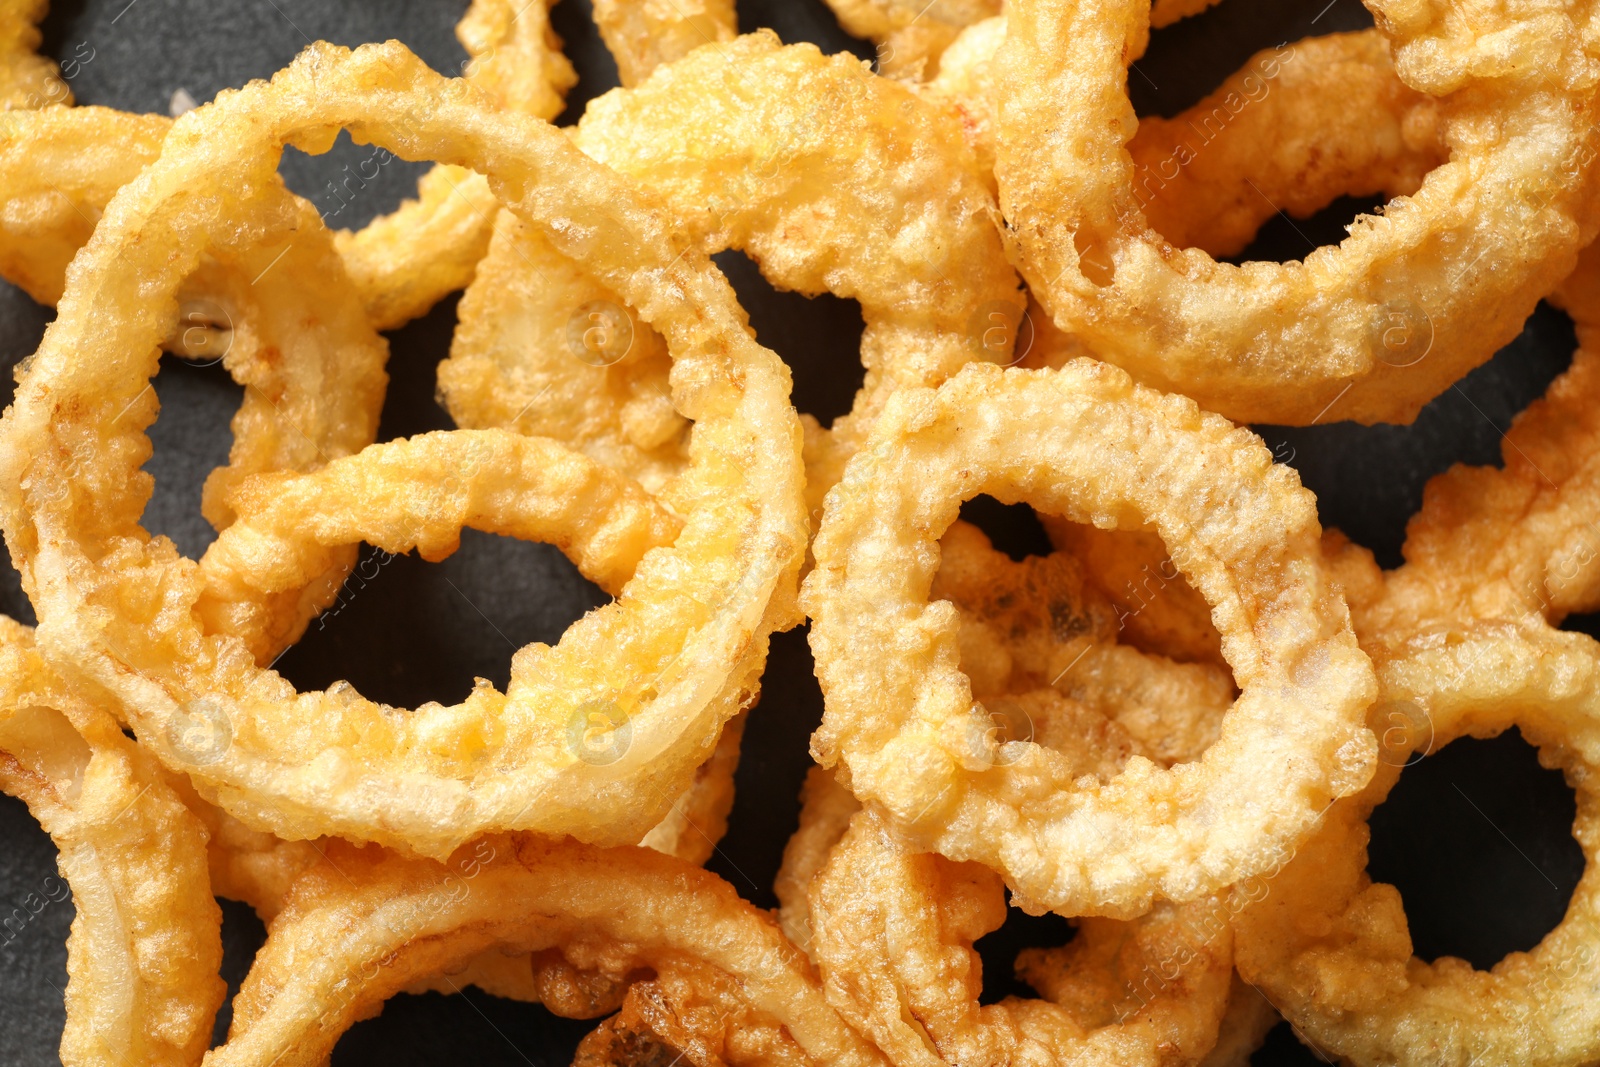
1051, 318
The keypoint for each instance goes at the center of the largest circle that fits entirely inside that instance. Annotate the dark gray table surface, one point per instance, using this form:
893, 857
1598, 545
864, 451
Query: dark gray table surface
1477, 837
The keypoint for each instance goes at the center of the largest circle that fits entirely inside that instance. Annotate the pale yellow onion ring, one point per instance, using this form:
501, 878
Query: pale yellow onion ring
142, 959
361, 929
777, 151
1285, 342
643, 34
726, 581
1083, 442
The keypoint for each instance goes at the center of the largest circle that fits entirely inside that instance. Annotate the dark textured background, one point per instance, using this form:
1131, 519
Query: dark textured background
1477, 837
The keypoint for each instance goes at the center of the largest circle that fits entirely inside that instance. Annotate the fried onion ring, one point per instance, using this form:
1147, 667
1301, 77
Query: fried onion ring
1462, 639
1083, 442
675, 656
643, 34
402, 263
311, 365
142, 983
744, 142
363, 926
1376, 326
1296, 127
1331, 947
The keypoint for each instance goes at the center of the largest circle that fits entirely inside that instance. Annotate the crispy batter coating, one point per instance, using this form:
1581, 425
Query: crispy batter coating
142, 959
1462, 638
1331, 947
672, 659
1502, 542
643, 34
1083, 442
1157, 610
1369, 330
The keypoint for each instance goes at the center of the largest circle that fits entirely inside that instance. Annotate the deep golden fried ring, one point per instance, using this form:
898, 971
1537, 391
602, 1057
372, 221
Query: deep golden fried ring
643, 34
408, 260
1331, 947
1369, 330
27, 79
1083, 442
402, 263
894, 933
365, 925
777, 151
675, 656
142, 984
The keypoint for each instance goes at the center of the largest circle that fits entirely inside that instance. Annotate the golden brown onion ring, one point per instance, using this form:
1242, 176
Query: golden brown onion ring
777, 151
1083, 442
1331, 947
65, 167
311, 365
291, 528
643, 34
142, 983
674, 657
363, 926
1369, 330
